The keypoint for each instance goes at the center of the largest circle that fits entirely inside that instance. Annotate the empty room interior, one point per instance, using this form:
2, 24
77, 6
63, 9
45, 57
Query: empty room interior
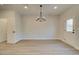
39, 29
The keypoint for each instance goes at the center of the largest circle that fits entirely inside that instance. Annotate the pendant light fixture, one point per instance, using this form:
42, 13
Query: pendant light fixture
41, 17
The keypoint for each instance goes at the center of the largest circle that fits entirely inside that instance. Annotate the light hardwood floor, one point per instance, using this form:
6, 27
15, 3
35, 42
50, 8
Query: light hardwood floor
37, 47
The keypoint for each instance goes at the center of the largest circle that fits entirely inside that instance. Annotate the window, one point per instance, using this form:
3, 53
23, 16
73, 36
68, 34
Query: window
69, 25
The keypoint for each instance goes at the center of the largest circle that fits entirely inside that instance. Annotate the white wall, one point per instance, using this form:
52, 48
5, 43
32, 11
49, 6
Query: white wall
40, 30
3, 29
66, 36
18, 25
10, 17
26, 27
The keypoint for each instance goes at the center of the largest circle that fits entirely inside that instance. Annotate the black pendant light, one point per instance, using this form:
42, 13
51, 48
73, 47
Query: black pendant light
41, 18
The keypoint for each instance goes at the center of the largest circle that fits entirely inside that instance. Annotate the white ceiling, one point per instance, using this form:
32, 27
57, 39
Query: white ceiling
34, 9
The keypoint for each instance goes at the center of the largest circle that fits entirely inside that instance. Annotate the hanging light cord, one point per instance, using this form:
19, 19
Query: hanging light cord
40, 11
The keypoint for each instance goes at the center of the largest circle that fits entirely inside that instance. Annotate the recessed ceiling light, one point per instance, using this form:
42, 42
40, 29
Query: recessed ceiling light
25, 7
55, 7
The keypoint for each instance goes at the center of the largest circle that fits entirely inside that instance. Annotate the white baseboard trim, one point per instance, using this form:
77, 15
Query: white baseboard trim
40, 38
13, 42
17, 41
74, 46
33, 39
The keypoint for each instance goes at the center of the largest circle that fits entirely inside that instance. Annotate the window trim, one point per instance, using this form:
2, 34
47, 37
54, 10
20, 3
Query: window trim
66, 24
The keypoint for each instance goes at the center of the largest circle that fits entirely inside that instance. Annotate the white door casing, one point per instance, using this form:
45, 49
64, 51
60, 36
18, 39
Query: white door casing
3, 29
11, 35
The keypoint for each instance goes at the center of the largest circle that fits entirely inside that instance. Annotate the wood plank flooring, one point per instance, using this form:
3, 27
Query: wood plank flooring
37, 47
